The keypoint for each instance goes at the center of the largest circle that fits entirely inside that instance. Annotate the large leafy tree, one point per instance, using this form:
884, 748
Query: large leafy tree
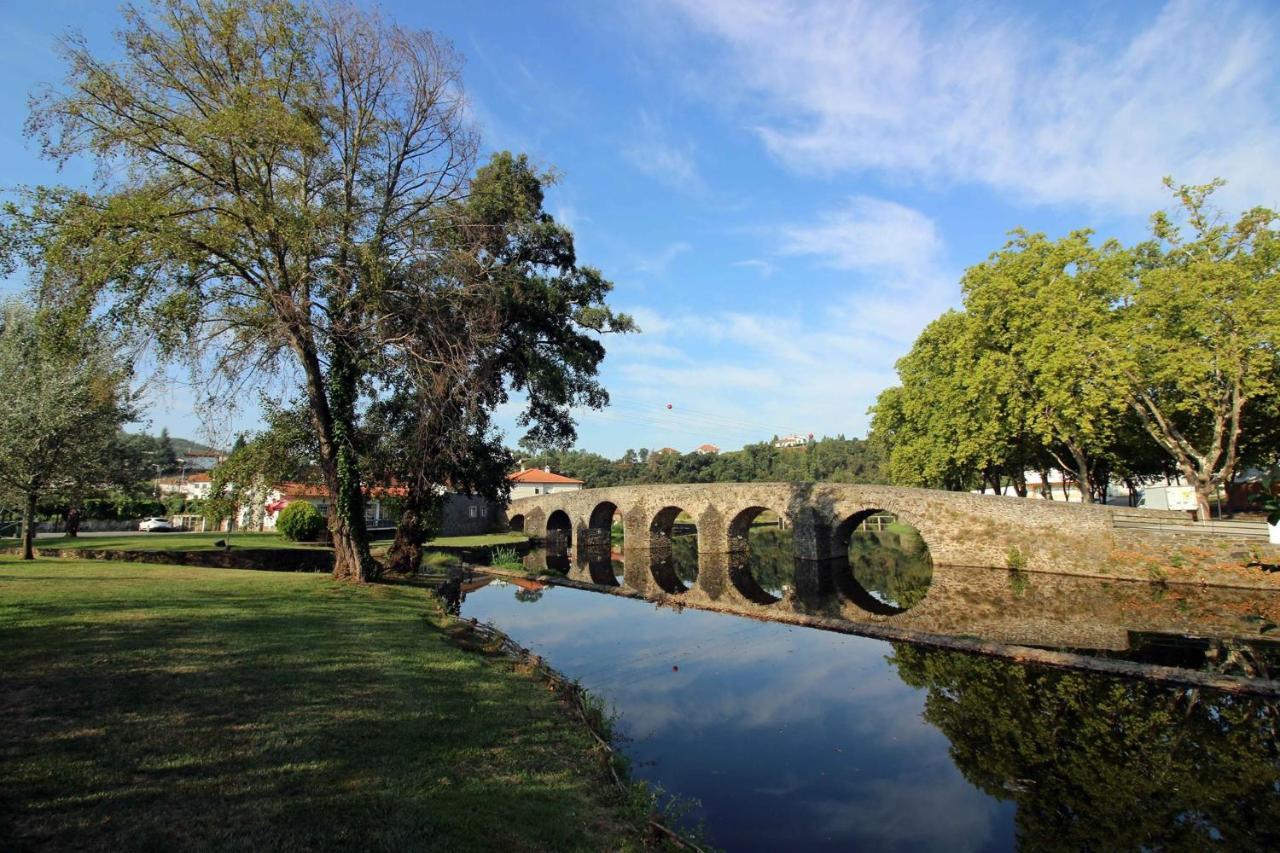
1110, 361
1198, 336
1043, 310
276, 175
960, 415
507, 308
67, 393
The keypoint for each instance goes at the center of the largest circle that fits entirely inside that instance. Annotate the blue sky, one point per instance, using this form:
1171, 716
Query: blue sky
785, 193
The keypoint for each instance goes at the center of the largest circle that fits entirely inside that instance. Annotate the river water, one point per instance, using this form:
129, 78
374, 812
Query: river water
773, 736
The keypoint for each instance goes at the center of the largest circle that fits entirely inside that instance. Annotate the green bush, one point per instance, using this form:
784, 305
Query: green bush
299, 522
1017, 560
506, 558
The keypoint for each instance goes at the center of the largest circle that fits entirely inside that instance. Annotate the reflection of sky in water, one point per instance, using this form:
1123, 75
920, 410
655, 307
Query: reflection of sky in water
789, 737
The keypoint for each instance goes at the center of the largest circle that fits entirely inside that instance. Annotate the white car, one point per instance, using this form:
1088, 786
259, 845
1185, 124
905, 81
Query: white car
155, 525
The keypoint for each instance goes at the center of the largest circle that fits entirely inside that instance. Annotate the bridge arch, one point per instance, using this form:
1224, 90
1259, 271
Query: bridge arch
883, 571
743, 563
516, 523
559, 536
673, 565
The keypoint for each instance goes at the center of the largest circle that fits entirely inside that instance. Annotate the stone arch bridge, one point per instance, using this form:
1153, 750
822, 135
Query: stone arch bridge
1068, 555
959, 528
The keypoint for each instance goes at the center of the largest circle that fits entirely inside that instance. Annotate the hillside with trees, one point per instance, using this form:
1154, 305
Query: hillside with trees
833, 460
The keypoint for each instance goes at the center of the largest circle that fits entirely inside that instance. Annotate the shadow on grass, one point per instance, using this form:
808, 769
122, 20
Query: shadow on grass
209, 711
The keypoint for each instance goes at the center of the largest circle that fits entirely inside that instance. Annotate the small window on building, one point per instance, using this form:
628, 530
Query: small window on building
472, 511
484, 511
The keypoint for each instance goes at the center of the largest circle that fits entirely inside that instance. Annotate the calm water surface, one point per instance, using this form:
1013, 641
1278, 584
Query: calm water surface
793, 738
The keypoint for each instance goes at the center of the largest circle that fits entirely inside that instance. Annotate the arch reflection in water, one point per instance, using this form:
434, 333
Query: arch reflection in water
673, 550
601, 565
559, 538
889, 568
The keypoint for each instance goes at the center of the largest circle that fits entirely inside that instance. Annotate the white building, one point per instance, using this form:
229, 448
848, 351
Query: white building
1060, 488
540, 481
262, 513
195, 486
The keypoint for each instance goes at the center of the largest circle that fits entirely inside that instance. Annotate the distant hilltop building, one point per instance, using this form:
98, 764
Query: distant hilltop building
201, 461
707, 448
793, 440
665, 451
540, 481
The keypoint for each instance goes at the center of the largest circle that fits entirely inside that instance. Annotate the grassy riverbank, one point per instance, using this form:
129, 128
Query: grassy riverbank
161, 707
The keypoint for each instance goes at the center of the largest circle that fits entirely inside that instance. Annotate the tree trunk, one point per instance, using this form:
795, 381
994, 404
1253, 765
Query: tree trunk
417, 525
1204, 470
29, 526
353, 561
1020, 483
332, 404
73, 522
1204, 491
1133, 490
1083, 475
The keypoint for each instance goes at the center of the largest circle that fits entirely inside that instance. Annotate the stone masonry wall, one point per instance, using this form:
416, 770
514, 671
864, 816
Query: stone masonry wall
960, 529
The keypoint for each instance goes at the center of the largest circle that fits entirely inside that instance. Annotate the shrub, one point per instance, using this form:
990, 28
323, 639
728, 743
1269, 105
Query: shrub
1016, 559
299, 522
506, 558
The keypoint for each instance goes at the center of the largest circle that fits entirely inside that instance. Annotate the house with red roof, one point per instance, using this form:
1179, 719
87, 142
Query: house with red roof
541, 481
195, 486
460, 515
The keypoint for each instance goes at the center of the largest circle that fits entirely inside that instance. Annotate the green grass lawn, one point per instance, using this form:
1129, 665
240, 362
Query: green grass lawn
158, 707
204, 541
480, 541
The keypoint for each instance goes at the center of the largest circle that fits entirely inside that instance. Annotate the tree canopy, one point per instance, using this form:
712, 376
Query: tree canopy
287, 188
1100, 359
67, 396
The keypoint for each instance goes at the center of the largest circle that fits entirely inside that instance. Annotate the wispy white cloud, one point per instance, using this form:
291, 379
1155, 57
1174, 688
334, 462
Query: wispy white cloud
659, 261
655, 152
938, 92
868, 234
765, 268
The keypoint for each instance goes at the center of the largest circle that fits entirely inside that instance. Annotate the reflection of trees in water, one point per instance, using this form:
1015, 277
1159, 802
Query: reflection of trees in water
528, 595
772, 561
1097, 763
893, 565
684, 556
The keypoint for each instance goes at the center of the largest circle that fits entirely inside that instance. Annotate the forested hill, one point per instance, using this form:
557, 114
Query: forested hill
187, 447
833, 460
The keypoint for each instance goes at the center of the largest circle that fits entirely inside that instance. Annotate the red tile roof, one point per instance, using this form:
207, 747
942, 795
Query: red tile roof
313, 490
537, 475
